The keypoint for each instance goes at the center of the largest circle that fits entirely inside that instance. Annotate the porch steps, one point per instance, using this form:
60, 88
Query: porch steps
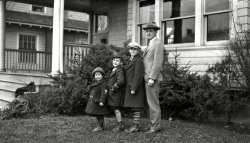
9, 82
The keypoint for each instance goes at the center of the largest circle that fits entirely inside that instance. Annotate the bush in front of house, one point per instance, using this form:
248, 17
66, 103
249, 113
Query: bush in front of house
176, 88
185, 94
32, 104
188, 95
230, 97
238, 51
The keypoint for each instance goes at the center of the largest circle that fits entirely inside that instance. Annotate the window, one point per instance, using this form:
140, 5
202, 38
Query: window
179, 21
186, 22
27, 47
217, 17
101, 23
146, 14
37, 8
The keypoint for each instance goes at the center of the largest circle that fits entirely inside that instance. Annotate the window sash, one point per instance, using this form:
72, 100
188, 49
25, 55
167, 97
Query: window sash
215, 7
27, 46
147, 5
101, 24
185, 35
183, 11
220, 34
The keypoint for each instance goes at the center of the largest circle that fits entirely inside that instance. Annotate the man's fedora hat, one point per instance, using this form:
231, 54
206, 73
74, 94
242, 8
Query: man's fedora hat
151, 25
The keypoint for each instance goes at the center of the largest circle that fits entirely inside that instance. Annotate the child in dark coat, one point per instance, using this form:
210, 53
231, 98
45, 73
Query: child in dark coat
96, 105
116, 89
135, 97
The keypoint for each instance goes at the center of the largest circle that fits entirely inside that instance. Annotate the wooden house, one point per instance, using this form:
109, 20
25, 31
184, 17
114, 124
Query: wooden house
198, 29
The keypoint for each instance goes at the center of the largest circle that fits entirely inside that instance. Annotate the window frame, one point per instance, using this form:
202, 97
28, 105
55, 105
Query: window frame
96, 24
205, 16
34, 60
31, 9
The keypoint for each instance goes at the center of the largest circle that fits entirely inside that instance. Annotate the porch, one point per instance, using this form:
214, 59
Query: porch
30, 61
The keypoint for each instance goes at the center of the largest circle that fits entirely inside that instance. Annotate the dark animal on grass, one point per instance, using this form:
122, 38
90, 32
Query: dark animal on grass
31, 87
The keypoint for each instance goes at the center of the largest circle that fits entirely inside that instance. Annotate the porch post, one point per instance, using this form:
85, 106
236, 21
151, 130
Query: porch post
158, 16
57, 41
134, 23
90, 28
2, 33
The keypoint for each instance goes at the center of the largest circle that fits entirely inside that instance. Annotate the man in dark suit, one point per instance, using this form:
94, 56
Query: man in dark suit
153, 57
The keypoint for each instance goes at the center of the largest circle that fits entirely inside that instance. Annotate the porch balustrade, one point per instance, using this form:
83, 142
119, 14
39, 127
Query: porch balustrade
40, 61
73, 53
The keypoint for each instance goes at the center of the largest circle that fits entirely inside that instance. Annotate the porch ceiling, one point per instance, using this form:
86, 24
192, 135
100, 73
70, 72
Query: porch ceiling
74, 5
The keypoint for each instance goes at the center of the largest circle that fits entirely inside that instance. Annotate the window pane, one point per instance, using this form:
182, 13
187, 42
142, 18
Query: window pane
27, 42
218, 27
143, 39
178, 8
20, 42
25, 38
102, 23
216, 5
179, 31
37, 8
147, 11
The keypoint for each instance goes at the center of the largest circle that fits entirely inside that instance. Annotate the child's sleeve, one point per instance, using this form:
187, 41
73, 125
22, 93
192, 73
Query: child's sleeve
120, 80
139, 75
104, 93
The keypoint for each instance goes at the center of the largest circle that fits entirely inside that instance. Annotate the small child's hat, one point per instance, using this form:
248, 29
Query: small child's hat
117, 55
98, 69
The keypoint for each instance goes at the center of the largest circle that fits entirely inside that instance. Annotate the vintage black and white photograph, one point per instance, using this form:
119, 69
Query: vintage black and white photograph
124, 71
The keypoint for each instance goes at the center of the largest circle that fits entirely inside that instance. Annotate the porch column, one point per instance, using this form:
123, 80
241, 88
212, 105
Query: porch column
199, 24
158, 16
90, 28
2, 33
57, 41
134, 23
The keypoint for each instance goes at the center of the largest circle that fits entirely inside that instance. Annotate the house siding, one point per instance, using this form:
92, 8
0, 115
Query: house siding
44, 37
22, 7
243, 13
117, 24
11, 40
199, 59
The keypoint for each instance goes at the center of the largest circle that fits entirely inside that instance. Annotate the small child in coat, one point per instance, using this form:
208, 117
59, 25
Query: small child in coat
116, 90
96, 105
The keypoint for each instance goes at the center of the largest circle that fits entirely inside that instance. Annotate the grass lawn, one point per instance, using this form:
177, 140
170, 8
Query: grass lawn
78, 130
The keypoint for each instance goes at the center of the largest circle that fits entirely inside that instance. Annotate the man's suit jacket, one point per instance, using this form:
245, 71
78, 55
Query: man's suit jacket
153, 57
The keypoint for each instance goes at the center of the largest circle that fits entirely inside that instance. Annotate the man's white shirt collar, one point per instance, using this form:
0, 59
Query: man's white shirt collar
152, 40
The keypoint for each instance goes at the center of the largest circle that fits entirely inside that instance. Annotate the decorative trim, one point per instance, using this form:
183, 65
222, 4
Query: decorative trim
43, 26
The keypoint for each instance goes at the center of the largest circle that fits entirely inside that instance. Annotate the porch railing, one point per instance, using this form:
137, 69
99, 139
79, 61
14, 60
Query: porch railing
74, 52
27, 60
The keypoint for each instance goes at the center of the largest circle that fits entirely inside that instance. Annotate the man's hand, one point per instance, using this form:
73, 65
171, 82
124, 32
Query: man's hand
151, 82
